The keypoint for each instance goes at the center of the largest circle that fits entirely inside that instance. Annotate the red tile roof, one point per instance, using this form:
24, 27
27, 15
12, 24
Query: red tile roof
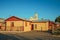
14, 18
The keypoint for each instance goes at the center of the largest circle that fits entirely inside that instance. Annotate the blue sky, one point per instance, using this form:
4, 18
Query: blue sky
47, 9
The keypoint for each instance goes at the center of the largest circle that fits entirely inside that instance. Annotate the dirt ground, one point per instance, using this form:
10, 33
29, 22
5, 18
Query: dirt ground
33, 35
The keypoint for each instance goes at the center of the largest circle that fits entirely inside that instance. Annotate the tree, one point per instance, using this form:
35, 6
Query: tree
57, 19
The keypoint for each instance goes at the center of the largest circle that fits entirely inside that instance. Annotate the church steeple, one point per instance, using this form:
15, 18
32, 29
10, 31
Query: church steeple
35, 17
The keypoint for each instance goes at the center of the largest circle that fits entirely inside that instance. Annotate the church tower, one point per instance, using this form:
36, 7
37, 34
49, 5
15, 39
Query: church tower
35, 17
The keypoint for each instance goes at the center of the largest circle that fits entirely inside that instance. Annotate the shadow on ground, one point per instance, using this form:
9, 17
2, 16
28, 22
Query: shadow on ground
8, 37
28, 36
38, 39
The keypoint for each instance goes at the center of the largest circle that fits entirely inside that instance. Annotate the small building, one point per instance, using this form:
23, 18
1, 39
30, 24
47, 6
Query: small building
40, 25
52, 25
2, 25
58, 25
17, 24
14, 23
43, 25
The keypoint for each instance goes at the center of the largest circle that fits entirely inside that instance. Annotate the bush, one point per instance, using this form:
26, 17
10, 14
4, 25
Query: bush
58, 29
56, 33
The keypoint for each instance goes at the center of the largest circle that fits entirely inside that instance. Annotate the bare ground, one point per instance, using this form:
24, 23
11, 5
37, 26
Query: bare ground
33, 35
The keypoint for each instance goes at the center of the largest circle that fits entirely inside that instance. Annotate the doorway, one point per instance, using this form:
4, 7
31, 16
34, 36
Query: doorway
32, 27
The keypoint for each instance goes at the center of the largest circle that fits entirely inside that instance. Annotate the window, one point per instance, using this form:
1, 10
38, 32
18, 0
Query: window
25, 23
12, 24
5, 25
35, 26
41, 28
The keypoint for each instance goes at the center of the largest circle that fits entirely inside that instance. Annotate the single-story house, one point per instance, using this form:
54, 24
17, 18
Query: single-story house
43, 25
17, 24
14, 23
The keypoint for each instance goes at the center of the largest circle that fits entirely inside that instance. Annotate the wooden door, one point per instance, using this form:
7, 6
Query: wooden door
32, 27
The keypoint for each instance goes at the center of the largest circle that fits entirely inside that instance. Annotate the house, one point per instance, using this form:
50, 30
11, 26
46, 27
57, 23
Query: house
58, 25
17, 24
40, 25
52, 25
43, 25
27, 25
2, 25
14, 23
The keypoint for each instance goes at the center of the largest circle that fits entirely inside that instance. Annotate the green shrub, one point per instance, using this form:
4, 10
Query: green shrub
58, 29
56, 33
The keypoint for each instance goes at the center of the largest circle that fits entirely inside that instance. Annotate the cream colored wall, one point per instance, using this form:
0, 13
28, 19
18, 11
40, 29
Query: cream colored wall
12, 29
41, 26
3, 28
28, 27
17, 25
44, 26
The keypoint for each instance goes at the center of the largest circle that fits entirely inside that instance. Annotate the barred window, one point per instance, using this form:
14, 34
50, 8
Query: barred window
12, 24
35, 26
25, 23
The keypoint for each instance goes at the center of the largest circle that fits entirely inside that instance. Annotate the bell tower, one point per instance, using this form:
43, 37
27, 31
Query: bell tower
36, 16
